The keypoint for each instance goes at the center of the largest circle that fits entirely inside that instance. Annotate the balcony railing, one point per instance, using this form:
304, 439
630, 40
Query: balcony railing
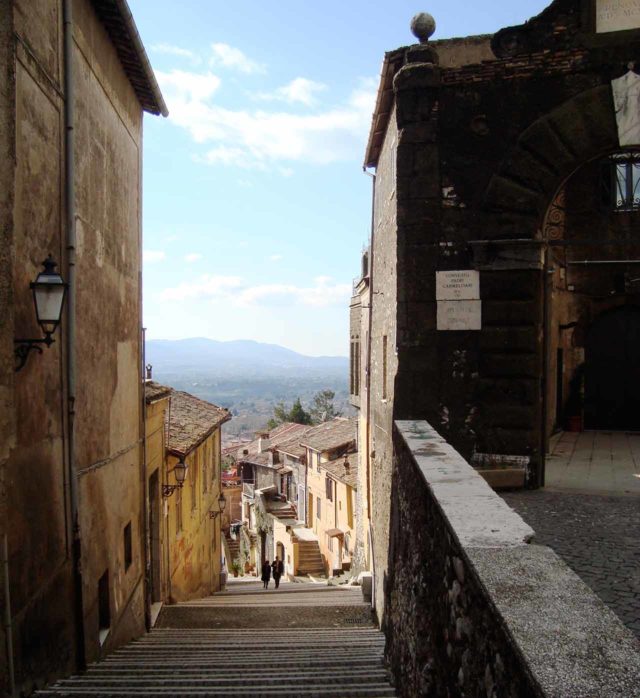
248, 488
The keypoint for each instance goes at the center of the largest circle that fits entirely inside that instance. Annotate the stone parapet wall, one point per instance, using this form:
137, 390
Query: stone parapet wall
472, 607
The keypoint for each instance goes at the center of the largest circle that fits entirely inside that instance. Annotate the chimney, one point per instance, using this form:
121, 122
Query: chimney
264, 442
148, 371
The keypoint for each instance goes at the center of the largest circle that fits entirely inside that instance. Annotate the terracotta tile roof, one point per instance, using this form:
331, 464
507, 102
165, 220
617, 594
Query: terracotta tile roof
337, 433
287, 433
116, 17
337, 470
190, 421
154, 391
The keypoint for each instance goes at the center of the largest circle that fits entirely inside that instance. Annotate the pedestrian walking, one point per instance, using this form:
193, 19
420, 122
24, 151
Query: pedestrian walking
266, 573
278, 569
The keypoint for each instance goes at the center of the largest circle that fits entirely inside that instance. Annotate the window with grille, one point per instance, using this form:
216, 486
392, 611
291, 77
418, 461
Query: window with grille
621, 182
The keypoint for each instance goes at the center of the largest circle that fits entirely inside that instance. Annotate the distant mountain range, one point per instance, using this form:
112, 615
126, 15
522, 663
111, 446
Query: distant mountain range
247, 377
240, 357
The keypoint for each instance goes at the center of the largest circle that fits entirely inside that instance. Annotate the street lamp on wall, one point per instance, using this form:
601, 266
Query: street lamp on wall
49, 291
222, 503
180, 473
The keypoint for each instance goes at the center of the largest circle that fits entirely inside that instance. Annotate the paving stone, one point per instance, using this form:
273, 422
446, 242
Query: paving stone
597, 536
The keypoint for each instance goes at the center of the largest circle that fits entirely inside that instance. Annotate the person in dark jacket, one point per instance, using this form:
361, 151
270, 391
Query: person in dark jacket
266, 574
278, 569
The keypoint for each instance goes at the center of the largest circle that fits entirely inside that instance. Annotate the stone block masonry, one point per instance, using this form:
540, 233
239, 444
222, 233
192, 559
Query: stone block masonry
474, 609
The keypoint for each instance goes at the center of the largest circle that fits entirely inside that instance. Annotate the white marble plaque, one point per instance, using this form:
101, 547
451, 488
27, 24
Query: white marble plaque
457, 285
460, 315
617, 15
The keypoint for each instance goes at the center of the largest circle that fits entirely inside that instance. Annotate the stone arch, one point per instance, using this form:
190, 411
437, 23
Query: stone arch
548, 152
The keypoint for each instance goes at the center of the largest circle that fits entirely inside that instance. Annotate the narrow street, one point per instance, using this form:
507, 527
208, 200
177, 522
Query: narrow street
299, 640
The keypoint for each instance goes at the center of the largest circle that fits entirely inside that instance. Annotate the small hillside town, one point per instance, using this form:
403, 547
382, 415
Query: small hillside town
473, 530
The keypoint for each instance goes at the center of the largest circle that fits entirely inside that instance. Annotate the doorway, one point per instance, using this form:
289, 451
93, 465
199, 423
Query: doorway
612, 371
154, 535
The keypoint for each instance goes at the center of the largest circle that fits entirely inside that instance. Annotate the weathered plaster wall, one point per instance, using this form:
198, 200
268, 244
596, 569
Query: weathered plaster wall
39, 563
108, 408
465, 589
107, 148
195, 547
7, 412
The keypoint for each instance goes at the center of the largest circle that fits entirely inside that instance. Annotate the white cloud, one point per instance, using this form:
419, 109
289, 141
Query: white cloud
186, 90
275, 257
192, 257
171, 50
324, 292
205, 287
299, 90
259, 139
151, 256
234, 58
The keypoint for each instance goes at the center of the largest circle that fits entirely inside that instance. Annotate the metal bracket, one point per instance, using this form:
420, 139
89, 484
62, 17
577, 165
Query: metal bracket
23, 347
168, 490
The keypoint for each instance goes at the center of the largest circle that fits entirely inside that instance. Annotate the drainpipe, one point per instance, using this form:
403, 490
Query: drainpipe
8, 628
144, 486
69, 118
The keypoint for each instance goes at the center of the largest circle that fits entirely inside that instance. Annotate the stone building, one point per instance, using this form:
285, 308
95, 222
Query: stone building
193, 522
73, 89
504, 270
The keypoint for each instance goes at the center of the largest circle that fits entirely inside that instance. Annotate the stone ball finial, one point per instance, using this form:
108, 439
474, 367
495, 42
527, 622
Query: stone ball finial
423, 26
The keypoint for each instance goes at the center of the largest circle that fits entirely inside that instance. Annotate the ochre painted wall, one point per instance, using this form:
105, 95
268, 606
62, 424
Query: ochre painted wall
195, 547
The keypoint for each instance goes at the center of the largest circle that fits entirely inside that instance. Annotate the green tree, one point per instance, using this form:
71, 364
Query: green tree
281, 414
322, 407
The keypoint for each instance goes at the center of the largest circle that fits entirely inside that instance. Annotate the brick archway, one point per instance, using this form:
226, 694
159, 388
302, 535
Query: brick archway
548, 152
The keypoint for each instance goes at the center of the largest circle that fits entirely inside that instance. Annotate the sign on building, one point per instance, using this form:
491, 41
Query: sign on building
457, 285
617, 15
459, 315
458, 299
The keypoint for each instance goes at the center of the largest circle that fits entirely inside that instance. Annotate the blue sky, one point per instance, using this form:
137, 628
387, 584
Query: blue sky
255, 205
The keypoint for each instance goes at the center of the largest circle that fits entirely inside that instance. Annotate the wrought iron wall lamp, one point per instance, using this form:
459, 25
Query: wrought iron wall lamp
180, 474
222, 503
49, 291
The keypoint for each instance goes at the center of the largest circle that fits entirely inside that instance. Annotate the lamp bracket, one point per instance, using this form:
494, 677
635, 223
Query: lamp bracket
168, 490
23, 347
214, 514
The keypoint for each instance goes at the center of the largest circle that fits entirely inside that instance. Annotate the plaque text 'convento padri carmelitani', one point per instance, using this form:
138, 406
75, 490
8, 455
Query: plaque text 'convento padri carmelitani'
617, 15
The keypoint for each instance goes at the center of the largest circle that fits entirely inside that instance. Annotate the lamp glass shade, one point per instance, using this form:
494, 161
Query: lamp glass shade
222, 502
180, 471
48, 296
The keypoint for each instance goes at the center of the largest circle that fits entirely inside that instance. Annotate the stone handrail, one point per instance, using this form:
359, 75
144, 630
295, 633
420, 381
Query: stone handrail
472, 607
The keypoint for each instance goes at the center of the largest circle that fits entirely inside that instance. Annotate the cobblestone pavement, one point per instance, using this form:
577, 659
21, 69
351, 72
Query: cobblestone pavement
597, 536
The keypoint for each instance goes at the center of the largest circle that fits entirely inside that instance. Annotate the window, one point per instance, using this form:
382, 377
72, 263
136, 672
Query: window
621, 182
104, 607
330, 543
318, 507
355, 367
206, 449
384, 367
193, 477
329, 488
178, 510
127, 546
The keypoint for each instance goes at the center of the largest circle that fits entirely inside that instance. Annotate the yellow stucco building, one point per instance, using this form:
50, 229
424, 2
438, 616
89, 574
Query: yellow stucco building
192, 521
332, 483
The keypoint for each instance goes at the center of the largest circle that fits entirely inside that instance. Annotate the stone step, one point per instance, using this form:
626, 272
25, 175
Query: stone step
380, 690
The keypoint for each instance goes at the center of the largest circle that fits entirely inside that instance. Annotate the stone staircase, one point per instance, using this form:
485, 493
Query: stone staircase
231, 649
233, 548
310, 560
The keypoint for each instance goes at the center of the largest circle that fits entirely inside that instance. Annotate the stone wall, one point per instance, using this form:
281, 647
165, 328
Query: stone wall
465, 588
